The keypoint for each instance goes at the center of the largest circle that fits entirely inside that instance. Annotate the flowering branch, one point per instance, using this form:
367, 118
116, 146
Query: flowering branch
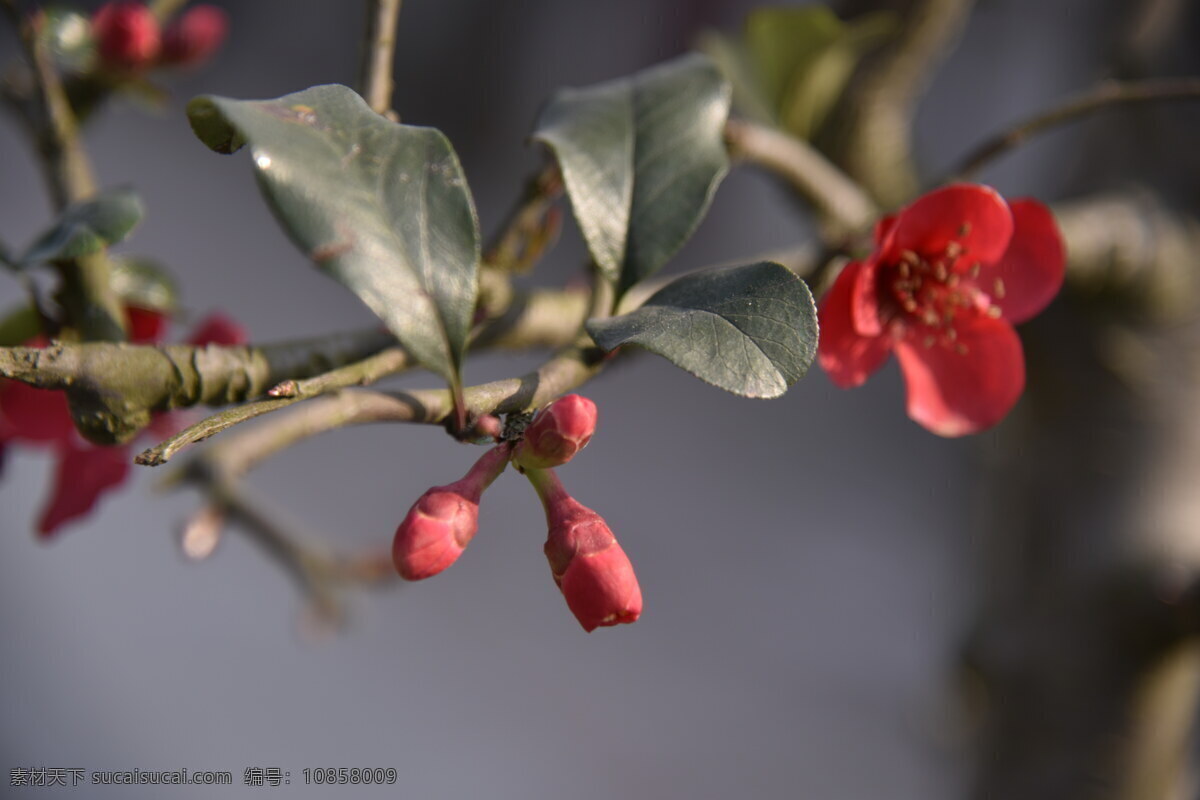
1105, 95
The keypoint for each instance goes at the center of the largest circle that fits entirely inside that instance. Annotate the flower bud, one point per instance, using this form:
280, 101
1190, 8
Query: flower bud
443, 521
195, 36
589, 566
127, 36
557, 433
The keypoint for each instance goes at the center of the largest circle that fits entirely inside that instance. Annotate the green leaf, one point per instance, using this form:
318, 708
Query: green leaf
383, 208
781, 41
750, 330
815, 87
801, 59
641, 158
144, 283
87, 227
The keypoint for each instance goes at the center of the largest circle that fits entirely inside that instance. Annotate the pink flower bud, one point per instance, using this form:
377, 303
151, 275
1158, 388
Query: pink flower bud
589, 566
195, 36
443, 521
127, 36
557, 433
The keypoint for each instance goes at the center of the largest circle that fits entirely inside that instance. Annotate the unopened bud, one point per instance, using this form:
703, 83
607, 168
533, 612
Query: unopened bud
195, 36
557, 433
127, 35
443, 521
590, 568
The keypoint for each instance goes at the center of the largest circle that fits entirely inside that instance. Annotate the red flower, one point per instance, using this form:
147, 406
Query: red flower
127, 35
443, 521
41, 417
195, 36
590, 568
950, 275
559, 431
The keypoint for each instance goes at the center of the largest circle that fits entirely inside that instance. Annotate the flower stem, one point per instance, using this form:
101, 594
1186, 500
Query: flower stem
548, 487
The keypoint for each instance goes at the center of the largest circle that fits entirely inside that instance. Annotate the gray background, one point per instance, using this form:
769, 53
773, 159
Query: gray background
806, 562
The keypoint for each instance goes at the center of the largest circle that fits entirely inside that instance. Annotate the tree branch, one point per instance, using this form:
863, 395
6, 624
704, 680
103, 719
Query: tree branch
317, 573
836, 196
114, 388
1105, 95
378, 54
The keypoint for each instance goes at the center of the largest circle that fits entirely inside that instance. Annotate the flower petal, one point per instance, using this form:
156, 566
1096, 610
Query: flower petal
146, 326
34, 415
864, 300
217, 328
882, 228
848, 357
975, 216
953, 392
1032, 269
83, 474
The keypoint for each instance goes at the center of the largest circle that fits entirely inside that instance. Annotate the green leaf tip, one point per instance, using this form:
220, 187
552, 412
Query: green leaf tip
750, 330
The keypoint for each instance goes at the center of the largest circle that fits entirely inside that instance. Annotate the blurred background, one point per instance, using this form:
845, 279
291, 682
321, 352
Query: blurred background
808, 563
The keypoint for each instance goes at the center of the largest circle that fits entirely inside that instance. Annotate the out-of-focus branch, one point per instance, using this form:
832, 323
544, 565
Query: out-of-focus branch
1131, 253
878, 110
317, 573
1086, 641
87, 294
1103, 96
838, 199
379, 49
531, 226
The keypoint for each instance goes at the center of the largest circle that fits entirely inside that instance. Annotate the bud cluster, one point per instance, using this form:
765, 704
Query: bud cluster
588, 565
130, 39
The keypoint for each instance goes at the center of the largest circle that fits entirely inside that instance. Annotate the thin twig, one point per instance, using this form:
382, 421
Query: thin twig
367, 371
378, 54
836, 196
317, 573
1108, 93
238, 453
542, 318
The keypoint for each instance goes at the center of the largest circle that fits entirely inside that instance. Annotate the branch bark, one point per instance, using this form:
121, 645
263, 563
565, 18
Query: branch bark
379, 54
839, 201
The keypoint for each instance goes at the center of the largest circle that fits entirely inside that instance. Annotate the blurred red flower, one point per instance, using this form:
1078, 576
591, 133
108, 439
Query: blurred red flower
950, 275
41, 418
